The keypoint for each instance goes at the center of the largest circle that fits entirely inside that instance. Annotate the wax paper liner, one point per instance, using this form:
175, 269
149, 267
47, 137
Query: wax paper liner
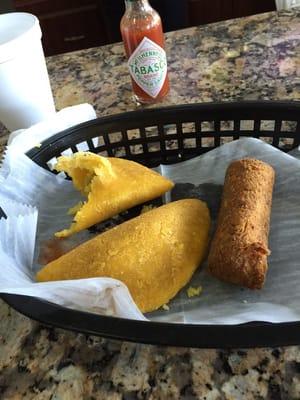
17, 244
279, 301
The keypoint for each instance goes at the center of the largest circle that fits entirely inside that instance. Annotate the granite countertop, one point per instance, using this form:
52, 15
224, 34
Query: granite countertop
250, 58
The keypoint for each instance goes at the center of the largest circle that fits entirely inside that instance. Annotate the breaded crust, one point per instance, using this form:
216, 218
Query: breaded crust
239, 249
154, 254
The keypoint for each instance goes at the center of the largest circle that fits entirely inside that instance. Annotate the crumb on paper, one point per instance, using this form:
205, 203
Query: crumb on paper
165, 307
38, 145
147, 208
194, 291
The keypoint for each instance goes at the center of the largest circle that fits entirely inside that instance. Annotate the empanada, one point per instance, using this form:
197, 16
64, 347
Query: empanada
111, 185
154, 254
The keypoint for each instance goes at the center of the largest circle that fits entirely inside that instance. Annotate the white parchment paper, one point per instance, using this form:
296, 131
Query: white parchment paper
23, 182
35, 199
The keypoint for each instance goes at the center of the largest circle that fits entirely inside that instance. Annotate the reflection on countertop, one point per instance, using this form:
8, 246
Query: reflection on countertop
246, 59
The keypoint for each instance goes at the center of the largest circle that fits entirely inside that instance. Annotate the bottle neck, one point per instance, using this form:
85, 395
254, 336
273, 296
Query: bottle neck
137, 5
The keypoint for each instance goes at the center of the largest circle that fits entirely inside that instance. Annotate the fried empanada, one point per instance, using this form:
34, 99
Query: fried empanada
111, 185
154, 254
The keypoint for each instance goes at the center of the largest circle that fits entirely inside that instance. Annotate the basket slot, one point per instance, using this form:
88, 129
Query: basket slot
188, 127
119, 152
103, 153
153, 146
227, 126
208, 142
267, 125
170, 129
115, 137
82, 146
247, 125
67, 152
229, 137
290, 126
151, 131
136, 149
267, 139
207, 126
171, 144
189, 143
133, 134
226, 139
286, 144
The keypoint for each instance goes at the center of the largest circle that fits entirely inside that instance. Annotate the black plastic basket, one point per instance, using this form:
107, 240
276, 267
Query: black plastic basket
169, 135
172, 134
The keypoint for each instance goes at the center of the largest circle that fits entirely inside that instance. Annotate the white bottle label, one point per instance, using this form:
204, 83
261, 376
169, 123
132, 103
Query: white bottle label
148, 67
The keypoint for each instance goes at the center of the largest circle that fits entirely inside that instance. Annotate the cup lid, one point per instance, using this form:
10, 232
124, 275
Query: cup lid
17, 29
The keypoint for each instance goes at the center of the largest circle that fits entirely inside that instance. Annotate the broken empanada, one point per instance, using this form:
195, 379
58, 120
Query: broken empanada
111, 185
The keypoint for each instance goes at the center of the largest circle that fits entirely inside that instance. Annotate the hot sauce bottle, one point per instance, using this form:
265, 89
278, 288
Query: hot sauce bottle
143, 38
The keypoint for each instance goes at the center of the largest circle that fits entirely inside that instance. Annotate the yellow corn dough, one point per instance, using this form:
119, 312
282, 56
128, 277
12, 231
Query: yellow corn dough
111, 185
154, 254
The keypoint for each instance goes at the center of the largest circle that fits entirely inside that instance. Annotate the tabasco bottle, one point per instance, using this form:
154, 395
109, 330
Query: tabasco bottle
143, 37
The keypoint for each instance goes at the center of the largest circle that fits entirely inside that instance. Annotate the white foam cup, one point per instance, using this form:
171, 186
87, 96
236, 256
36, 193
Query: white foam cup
25, 91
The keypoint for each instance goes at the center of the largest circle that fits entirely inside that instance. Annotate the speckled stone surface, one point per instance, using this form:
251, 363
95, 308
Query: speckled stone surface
251, 58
